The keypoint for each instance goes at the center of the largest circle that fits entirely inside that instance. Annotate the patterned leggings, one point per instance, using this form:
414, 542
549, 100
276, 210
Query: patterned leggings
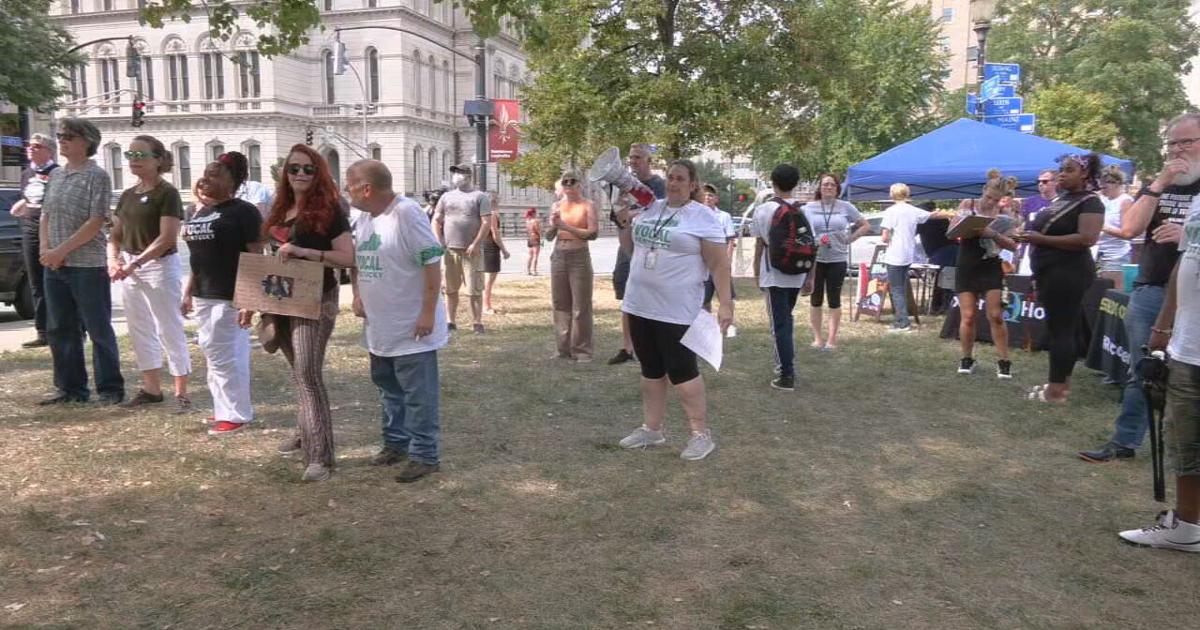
304, 348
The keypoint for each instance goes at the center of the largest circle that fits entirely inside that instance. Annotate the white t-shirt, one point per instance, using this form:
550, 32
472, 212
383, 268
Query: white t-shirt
256, 193
902, 219
668, 241
760, 228
1185, 338
392, 251
1111, 247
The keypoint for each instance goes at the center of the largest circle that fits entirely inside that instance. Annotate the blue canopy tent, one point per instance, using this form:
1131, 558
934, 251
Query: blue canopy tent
952, 162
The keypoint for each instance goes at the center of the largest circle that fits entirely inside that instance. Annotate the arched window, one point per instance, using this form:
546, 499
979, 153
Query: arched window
373, 74
376, 153
416, 76
432, 83
213, 63
431, 166
416, 170
253, 151
249, 80
183, 167
145, 83
110, 74
335, 166
215, 149
115, 170
327, 56
514, 81
445, 165
177, 70
498, 80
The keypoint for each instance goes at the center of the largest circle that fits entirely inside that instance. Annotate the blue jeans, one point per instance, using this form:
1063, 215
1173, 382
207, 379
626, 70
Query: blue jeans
898, 286
82, 296
408, 392
1144, 304
780, 303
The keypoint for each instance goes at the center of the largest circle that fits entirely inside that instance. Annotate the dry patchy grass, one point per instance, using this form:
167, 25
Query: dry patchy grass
886, 492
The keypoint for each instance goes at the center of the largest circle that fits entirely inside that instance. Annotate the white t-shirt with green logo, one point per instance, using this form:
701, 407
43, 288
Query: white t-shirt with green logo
666, 273
392, 251
1185, 338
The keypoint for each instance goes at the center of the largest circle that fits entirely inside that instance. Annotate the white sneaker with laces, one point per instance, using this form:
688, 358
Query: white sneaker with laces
642, 437
1168, 533
698, 446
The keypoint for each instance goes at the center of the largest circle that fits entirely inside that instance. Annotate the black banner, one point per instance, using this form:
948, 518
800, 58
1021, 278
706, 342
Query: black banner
1026, 317
1109, 351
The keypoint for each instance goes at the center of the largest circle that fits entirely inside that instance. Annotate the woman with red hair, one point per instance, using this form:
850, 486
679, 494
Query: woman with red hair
307, 222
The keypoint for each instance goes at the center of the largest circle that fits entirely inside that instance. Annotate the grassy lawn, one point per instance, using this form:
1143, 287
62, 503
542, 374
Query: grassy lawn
887, 492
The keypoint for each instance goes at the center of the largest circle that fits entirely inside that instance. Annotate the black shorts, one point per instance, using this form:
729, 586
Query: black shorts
491, 257
657, 347
980, 278
621, 273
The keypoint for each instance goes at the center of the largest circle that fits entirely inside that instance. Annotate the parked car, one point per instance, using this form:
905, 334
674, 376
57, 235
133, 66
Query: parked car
14, 281
862, 250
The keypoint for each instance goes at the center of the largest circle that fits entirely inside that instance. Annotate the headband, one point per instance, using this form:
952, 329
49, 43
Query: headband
1082, 160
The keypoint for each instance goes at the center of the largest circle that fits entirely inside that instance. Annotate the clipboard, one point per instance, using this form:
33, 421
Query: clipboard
968, 226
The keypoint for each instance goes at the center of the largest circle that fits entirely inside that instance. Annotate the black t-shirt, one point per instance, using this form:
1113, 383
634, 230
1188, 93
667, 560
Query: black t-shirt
1047, 256
216, 237
1158, 259
312, 240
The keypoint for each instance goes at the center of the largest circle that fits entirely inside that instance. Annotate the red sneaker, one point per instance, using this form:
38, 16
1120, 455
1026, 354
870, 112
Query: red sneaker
225, 427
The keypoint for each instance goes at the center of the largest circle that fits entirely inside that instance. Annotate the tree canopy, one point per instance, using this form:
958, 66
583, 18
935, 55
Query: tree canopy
33, 53
1131, 54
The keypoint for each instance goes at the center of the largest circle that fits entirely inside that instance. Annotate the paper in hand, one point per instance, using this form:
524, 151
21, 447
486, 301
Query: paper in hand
705, 339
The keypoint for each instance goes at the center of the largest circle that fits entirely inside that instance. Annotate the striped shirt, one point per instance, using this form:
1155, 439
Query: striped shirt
72, 197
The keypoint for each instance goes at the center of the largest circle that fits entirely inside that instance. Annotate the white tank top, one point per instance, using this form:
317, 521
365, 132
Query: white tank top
1111, 247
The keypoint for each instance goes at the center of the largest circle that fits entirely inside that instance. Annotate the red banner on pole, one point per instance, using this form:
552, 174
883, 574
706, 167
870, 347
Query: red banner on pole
504, 138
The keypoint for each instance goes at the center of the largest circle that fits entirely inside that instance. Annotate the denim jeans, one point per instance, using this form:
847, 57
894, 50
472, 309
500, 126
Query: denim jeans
898, 286
74, 296
1144, 304
408, 392
34, 273
780, 303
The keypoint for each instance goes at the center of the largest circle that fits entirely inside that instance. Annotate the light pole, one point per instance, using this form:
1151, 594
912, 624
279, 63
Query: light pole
981, 29
478, 112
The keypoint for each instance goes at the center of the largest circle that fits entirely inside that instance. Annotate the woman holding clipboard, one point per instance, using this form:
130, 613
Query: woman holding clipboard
980, 272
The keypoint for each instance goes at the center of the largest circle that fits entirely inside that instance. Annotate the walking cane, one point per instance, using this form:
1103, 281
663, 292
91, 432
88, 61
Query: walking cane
1154, 385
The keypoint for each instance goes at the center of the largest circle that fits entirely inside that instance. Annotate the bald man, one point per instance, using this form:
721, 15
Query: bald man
397, 291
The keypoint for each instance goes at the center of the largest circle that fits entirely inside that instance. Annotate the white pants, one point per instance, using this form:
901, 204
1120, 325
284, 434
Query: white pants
152, 296
226, 348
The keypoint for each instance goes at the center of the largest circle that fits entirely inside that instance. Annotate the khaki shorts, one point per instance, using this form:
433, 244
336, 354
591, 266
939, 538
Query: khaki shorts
1182, 421
460, 267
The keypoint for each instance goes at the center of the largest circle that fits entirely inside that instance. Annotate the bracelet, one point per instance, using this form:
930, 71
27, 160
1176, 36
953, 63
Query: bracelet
1161, 331
1151, 193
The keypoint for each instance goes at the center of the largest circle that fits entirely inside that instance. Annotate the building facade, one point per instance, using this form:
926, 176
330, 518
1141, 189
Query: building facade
205, 96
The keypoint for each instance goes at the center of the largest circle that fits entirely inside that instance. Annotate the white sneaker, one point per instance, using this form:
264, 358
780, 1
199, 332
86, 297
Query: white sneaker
1168, 533
731, 332
642, 437
698, 446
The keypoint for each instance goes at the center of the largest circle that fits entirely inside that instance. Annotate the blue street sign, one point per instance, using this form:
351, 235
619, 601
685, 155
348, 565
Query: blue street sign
995, 88
1025, 123
1009, 73
972, 104
1003, 106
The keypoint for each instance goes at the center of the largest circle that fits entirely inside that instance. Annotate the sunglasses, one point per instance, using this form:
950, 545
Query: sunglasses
65, 137
569, 182
1045, 181
294, 169
140, 155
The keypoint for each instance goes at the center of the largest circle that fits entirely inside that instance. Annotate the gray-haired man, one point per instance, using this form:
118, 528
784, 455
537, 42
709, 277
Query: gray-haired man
41, 151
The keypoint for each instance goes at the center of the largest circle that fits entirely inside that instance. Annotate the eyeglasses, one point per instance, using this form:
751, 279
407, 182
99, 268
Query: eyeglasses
569, 182
65, 137
1183, 143
294, 169
140, 155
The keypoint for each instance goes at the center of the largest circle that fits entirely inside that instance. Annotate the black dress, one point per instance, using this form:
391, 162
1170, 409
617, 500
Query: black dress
976, 274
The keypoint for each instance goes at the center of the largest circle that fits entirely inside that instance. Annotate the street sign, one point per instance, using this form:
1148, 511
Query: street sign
972, 104
1003, 106
1025, 123
1009, 73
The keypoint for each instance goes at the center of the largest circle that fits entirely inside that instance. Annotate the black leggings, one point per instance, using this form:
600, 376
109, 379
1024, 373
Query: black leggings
657, 347
827, 281
1060, 289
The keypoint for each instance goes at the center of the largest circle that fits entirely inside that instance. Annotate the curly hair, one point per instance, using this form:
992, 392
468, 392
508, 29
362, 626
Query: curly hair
238, 167
1090, 164
320, 204
998, 184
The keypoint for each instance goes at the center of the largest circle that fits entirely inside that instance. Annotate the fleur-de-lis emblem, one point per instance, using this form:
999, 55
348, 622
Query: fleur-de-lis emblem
506, 126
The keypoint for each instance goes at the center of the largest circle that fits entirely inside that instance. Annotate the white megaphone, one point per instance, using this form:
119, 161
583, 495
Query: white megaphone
609, 169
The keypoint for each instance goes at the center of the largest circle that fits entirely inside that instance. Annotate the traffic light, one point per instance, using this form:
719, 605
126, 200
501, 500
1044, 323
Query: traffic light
308, 136
341, 62
741, 197
139, 112
133, 62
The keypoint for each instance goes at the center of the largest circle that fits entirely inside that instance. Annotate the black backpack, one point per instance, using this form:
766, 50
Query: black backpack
790, 242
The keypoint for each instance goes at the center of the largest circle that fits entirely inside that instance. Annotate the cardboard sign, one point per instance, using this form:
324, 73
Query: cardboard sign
282, 288
872, 286
968, 226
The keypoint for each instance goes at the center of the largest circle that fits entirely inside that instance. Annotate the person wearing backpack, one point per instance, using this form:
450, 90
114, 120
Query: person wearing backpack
781, 265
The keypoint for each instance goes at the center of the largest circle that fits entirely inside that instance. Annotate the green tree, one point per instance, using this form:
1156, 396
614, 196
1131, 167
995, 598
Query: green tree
1133, 54
1069, 114
33, 53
